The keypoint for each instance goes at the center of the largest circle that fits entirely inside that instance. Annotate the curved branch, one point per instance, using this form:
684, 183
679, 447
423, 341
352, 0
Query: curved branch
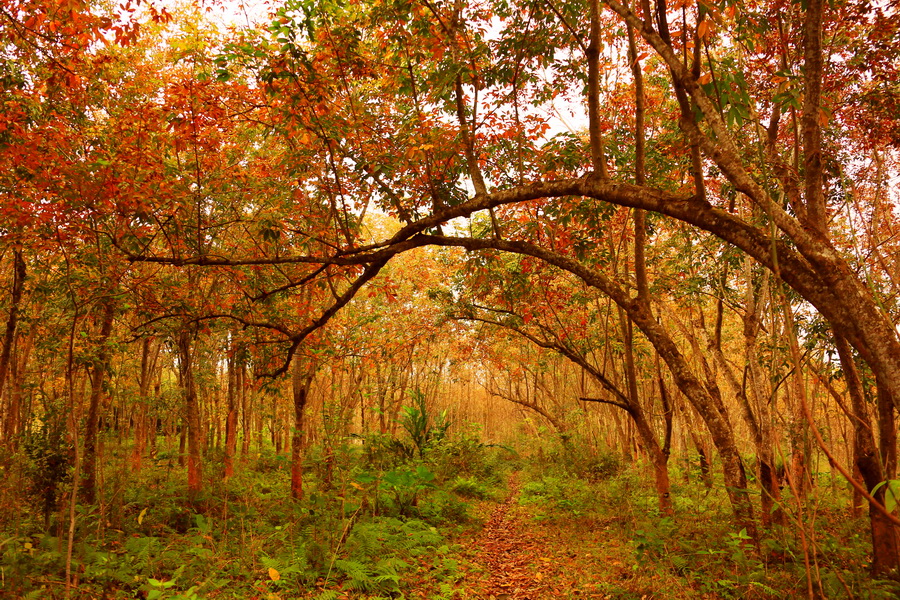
606, 401
296, 339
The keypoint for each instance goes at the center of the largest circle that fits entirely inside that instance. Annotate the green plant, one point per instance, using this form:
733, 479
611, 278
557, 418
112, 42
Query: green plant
419, 425
159, 590
404, 487
651, 540
441, 507
469, 487
49, 466
552, 493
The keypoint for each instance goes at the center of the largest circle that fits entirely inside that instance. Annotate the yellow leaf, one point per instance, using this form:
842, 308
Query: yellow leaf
28, 545
141, 516
274, 575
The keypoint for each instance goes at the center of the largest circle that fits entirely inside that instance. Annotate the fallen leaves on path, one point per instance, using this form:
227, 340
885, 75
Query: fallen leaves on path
514, 556
526, 560
509, 554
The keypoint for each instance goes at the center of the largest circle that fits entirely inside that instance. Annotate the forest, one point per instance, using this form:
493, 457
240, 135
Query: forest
449, 299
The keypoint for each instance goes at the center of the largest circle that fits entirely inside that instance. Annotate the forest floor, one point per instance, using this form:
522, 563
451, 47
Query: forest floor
525, 554
460, 524
523, 560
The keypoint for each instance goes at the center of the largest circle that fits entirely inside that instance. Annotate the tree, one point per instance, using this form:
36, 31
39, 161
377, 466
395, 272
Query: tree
743, 122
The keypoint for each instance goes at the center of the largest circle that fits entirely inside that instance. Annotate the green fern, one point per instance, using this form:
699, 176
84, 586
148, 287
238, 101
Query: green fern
359, 577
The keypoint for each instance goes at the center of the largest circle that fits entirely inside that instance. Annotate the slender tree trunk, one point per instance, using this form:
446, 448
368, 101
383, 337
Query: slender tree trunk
659, 456
98, 369
231, 417
9, 336
259, 400
18, 414
302, 381
246, 410
887, 430
756, 413
182, 442
192, 412
149, 354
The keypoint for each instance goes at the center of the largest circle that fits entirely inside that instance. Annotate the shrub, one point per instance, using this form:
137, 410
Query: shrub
49, 467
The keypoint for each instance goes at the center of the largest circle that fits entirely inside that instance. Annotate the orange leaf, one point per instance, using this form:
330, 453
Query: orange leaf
703, 29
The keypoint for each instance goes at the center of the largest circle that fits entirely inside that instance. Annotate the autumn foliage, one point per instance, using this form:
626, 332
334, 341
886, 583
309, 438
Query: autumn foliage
663, 232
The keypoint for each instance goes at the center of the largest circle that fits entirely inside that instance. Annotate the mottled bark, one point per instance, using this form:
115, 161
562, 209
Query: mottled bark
887, 430
598, 154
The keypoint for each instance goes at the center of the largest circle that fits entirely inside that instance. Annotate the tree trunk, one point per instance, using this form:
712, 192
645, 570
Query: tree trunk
9, 336
301, 380
192, 413
756, 412
887, 430
149, 354
885, 540
98, 369
16, 415
231, 417
246, 410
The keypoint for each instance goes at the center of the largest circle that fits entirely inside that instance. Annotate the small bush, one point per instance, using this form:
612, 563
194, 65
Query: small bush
443, 507
469, 487
566, 494
600, 467
49, 467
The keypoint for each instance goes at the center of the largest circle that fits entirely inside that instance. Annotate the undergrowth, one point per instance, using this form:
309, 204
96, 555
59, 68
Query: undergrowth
387, 517
376, 522
699, 553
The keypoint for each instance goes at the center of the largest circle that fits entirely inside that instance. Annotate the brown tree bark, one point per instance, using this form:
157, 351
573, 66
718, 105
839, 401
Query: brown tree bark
11, 424
887, 430
756, 414
885, 539
97, 371
659, 455
302, 378
231, 415
192, 412
142, 428
15, 383
246, 409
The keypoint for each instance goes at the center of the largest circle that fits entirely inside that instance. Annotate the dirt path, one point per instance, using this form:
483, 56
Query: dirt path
511, 554
574, 558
